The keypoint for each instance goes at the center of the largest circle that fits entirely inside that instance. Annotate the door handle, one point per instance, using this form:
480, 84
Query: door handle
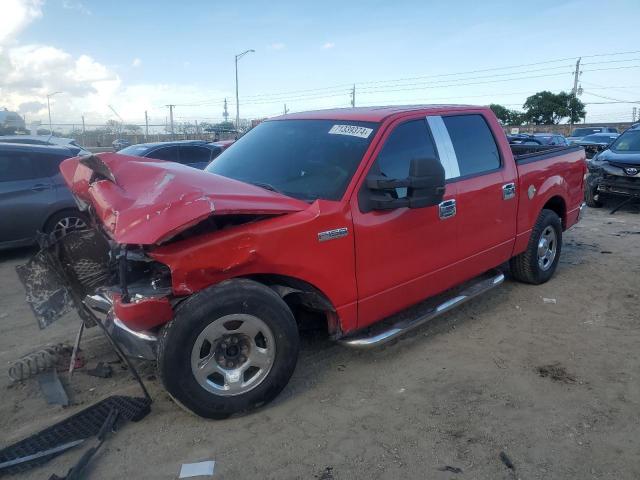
508, 191
38, 187
447, 209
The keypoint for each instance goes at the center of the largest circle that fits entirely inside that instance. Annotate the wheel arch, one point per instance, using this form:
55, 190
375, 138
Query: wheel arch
301, 295
58, 211
557, 204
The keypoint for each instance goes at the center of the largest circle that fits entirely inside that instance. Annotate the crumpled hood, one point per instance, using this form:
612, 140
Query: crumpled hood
145, 201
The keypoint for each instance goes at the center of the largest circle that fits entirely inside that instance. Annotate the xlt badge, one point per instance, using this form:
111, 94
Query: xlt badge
333, 234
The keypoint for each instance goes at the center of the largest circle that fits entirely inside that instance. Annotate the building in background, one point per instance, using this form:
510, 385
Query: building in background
10, 121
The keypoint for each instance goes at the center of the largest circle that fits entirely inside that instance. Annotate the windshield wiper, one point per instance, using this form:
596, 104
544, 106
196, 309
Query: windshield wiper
267, 186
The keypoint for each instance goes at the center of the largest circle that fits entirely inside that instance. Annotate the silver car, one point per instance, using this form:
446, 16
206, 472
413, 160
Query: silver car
33, 195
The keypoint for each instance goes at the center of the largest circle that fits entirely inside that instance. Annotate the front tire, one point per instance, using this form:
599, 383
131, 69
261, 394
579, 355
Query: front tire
230, 348
592, 198
539, 261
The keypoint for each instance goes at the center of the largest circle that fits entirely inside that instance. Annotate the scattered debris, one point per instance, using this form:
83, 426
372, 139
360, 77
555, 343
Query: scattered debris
549, 301
606, 251
504, 458
102, 370
44, 453
624, 232
36, 362
52, 388
75, 472
327, 474
197, 469
500, 362
556, 372
84, 424
449, 468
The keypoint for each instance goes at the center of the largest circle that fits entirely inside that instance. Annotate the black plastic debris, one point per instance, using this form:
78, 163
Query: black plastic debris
504, 458
52, 388
449, 468
102, 370
83, 425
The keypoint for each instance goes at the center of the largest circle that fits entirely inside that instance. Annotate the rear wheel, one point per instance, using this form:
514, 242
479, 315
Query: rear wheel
230, 348
592, 198
539, 261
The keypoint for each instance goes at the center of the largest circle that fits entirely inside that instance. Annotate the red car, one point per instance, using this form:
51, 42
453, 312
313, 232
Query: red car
348, 217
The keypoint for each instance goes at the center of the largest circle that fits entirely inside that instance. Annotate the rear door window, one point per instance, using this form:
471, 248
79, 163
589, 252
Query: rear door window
15, 166
169, 154
473, 142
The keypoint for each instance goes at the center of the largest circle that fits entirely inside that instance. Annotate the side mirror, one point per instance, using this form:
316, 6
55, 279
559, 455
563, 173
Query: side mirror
425, 187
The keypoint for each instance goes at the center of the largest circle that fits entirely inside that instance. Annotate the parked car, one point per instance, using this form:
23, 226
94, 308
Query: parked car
195, 153
580, 133
523, 139
120, 143
70, 143
616, 170
597, 142
551, 139
345, 217
33, 195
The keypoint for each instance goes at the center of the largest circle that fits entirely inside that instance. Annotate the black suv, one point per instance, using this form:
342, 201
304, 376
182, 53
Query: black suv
616, 170
195, 153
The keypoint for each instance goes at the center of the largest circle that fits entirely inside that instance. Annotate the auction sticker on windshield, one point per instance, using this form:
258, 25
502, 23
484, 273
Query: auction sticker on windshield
352, 130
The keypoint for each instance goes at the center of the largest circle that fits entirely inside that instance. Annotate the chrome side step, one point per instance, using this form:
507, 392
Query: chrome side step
387, 330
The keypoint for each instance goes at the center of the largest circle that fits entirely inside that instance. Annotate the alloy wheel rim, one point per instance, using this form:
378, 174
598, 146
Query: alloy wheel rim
68, 224
547, 248
233, 354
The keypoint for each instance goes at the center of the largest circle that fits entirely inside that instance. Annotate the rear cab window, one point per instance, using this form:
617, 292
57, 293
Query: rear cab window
474, 145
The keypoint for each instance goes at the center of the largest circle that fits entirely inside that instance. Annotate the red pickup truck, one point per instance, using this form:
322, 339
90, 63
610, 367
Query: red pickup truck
369, 220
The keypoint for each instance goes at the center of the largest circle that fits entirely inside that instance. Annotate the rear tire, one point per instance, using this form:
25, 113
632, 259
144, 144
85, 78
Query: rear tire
592, 198
539, 261
66, 221
230, 348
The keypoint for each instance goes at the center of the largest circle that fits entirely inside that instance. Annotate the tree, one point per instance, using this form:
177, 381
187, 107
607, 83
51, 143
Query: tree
547, 108
505, 115
130, 128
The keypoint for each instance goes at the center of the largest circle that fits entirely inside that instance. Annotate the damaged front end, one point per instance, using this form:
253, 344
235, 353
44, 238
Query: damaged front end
615, 178
103, 281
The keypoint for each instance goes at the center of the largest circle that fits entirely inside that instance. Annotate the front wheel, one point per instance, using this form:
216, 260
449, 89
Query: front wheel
539, 261
230, 348
592, 198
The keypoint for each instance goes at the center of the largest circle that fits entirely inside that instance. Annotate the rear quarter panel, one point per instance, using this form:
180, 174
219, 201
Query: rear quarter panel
556, 176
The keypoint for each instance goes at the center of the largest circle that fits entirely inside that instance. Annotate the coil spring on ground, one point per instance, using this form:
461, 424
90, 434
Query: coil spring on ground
36, 362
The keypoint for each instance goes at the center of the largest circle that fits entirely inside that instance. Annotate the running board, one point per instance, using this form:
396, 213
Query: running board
389, 329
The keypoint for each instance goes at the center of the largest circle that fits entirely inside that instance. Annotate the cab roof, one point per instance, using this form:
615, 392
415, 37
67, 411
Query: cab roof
373, 114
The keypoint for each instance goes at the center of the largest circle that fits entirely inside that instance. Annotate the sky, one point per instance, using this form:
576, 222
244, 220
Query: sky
137, 56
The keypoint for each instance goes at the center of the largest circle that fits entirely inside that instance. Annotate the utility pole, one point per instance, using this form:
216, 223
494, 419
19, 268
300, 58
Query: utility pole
146, 126
225, 113
574, 90
634, 113
49, 110
171, 119
286, 110
353, 96
238, 57
84, 133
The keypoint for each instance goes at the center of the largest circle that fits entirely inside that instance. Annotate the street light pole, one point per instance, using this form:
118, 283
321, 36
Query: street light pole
49, 95
238, 57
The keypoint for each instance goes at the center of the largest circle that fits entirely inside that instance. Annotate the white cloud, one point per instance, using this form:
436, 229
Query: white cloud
277, 46
76, 5
17, 14
136, 62
328, 45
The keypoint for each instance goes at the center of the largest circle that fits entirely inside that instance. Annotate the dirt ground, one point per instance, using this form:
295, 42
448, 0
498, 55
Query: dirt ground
555, 385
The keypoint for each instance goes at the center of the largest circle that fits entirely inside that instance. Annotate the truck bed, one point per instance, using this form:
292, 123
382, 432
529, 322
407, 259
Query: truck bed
532, 153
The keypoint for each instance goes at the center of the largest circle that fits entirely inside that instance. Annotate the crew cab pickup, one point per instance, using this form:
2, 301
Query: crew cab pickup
370, 220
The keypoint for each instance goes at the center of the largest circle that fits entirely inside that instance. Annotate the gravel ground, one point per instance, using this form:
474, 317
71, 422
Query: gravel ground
552, 384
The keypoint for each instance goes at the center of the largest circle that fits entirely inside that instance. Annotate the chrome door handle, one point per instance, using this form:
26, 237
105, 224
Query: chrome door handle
508, 191
38, 187
447, 209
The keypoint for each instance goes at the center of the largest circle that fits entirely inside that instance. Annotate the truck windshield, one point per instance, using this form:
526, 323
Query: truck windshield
629, 141
304, 159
